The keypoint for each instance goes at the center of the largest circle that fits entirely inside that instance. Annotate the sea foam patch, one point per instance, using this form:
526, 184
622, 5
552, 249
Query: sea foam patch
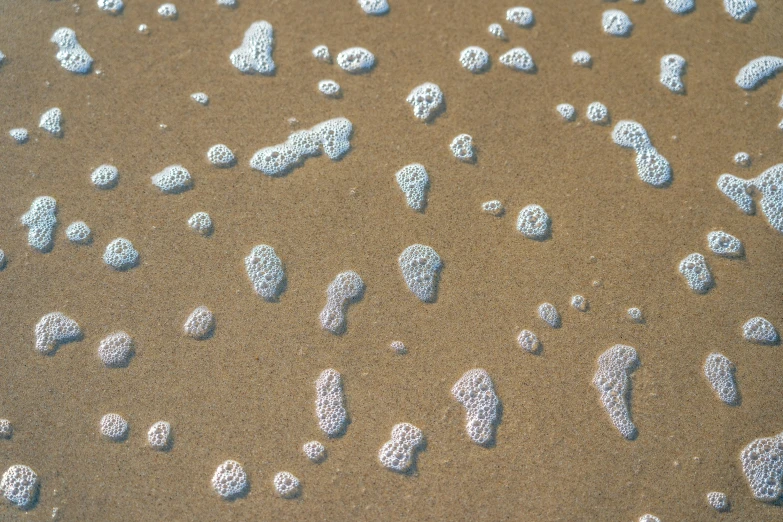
120, 254
672, 69
41, 221
697, 273
399, 453
414, 182
374, 7
230, 480
52, 122
255, 53
173, 179
346, 288
616, 23
474, 59
768, 184
518, 59
420, 266
330, 403
740, 10
265, 271
356, 60
762, 464
613, 381
758, 71
53, 330
680, 7
426, 100
476, 392
520, 16
533, 222
111, 6
720, 371
70, 54
19, 485
651, 166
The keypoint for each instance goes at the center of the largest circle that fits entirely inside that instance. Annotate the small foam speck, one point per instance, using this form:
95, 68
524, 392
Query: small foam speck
462, 148
582, 59
321, 53
200, 98
718, 501
566, 111
616, 23
579, 302
329, 88
493, 207
111, 6
497, 31
529, 342
742, 159
598, 113
635, 315
159, 436
356, 60
19, 135
201, 223
549, 314
168, 11
315, 451
474, 59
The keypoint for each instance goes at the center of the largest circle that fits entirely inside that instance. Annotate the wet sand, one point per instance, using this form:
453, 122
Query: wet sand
248, 393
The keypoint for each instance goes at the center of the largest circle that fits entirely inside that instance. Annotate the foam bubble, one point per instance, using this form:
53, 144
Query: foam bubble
54, 329
200, 323
742, 159
19, 485
420, 266
672, 69
321, 53
105, 177
736, 189
567, 111
770, 184
398, 347
534, 223
255, 53
724, 244
6, 430
497, 31
116, 350
616, 23
598, 113
221, 156
335, 137
173, 179
19, 135
41, 221
549, 314
265, 271
518, 59
111, 6
759, 330
582, 58
520, 16
227, 3
426, 100
697, 273
286, 485
649, 518
720, 373
113, 427
374, 7
345, 289
201, 223
757, 71
414, 182
399, 453
143, 29
330, 403
52, 122
613, 380
476, 392
635, 315
315, 451
580, 303
168, 11
680, 6
230, 480
762, 463
329, 88
159, 436
71, 55
462, 148
529, 342
718, 501
78, 232
200, 98
740, 10
120, 254
356, 60
493, 207
474, 59
651, 166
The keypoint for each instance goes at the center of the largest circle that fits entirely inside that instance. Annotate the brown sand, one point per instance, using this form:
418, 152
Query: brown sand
247, 393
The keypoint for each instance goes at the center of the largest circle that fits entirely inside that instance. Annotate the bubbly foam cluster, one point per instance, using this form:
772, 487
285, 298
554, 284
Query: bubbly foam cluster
78, 232
742, 159
330, 403
111, 6
719, 371
518, 59
635, 315
497, 31
6, 430
567, 111
549, 314
345, 289
718, 501
736, 189
613, 381
534, 223
19, 135
579, 302
120, 254
159, 436
616, 23
520, 16
582, 58
40, 221
116, 350
529, 342
399, 453
201, 223
113, 427
680, 6
740, 10
105, 177
221, 156
493, 207
426, 100
55, 329
173, 179
758, 71
672, 69
374, 7
598, 113
414, 182
329, 88
52, 122
265, 271
474, 59
462, 148
724, 244
476, 392
229, 480
651, 166
398, 347
168, 11
334, 136
19, 485
322, 54
286, 485
199, 323
697, 273
420, 266
255, 53
760, 331
770, 184
200, 97
70, 54
356, 60
649, 518
315, 451
762, 463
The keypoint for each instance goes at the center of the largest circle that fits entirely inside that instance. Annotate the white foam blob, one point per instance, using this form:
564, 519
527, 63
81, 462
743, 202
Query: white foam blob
579, 302
321, 53
414, 182
566, 111
736, 189
41, 221
426, 100
760, 331
742, 159
724, 244
230, 480
120, 254
19, 486
105, 177
518, 59
54, 329
474, 59
221, 156
346, 288
720, 374
549, 314
143, 29
255, 53
19, 135
70, 54
398, 347
173, 179
534, 223
168, 11
651, 166
200, 323
329, 88
356, 60
227, 3
520, 16
582, 58
493, 207
672, 69
718, 501
420, 266
159, 436
613, 381
78, 232
648, 517
762, 463
740, 10
6, 429
113, 427
757, 71
374, 7
616, 23
201, 223
497, 31
286, 485
330, 403
200, 98
598, 113
635, 315
399, 453
315, 451
476, 392
680, 6
111, 6
697, 273
116, 350
462, 148
529, 342
3, 259
52, 122
265, 271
